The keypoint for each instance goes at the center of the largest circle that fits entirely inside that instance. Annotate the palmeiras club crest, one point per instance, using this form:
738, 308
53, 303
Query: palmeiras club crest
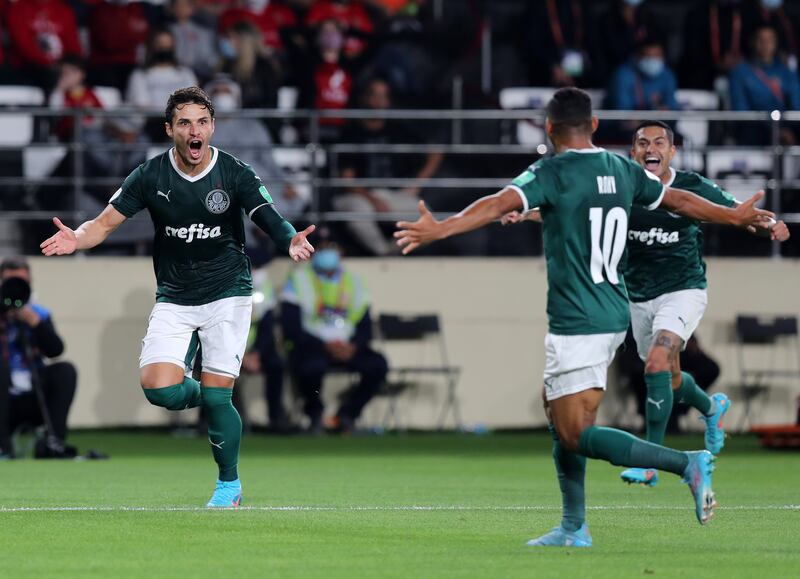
217, 201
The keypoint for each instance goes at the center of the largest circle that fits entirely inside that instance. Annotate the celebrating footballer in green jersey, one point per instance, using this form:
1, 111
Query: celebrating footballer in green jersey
197, 196
666, 279
585, 196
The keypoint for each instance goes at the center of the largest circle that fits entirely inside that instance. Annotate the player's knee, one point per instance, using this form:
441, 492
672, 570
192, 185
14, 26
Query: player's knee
657, 361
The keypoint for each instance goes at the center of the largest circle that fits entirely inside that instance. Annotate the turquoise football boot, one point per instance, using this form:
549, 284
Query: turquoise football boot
227, 495
715, 433
560, 537
698, 476
642, 476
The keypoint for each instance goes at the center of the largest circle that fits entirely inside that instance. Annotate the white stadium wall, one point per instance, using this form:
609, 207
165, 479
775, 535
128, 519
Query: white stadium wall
492, 310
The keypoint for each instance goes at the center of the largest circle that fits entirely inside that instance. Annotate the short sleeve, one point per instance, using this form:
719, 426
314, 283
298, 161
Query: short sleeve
649, 188
251, 191
712, 192
536, 186
129, 198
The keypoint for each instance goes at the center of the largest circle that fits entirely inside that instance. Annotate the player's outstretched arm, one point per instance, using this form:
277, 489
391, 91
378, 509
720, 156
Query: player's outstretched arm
299, 248
426, 229
88, 235
695, 207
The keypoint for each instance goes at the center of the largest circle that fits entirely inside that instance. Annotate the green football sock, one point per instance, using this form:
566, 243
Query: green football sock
176, 397
691, 394
224, 430
658, 407
623, 449
571, 468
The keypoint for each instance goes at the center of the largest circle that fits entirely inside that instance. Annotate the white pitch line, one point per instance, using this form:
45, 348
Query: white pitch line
298, 508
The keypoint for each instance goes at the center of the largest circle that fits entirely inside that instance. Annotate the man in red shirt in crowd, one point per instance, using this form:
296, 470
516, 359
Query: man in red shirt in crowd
41, 33
117, 35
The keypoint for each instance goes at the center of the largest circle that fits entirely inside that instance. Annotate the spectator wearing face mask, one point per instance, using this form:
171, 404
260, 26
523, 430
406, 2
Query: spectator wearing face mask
644, 83
326, 323
326, 80
248, 63
246, 139
557, 43
149, 87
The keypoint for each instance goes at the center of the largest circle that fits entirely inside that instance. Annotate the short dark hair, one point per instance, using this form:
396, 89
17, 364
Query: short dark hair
661, 124
189, 95
14, 263
570, 108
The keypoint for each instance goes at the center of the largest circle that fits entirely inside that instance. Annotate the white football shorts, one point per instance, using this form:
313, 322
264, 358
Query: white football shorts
220, 327
677, 312
577, 363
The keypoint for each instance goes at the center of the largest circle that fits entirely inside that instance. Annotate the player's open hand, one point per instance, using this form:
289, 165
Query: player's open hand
779, 232
424, 230
748, 214
300, 249
62, 243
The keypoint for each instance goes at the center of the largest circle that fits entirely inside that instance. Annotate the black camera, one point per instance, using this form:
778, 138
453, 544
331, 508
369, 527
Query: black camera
14, 293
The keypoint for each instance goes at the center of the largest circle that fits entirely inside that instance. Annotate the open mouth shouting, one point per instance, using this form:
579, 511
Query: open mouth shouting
652, 163
195, 149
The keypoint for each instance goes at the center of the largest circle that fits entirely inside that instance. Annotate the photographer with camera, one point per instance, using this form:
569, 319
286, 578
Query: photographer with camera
32, 392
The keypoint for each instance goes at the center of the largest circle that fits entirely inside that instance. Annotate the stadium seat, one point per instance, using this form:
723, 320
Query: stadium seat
296, 162
287, 98
16, 129
21, 96
39, 161
768, 352
741, 172
695, 131
109, 96
417, 338
531, 132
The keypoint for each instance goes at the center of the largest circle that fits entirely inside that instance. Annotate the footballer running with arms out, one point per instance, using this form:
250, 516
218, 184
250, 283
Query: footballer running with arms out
666, 280
196, 195
585, 194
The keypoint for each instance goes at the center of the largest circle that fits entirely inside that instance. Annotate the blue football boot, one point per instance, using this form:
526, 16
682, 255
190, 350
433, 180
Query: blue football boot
560, 537
715, 434
698, 476
227, 495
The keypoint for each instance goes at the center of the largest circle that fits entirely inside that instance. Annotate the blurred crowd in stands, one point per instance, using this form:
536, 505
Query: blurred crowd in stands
382, 54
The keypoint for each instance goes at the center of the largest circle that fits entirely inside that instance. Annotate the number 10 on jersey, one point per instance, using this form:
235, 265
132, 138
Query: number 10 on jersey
608, 242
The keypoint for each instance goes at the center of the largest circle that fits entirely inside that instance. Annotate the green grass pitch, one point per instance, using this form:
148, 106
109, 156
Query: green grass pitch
392, 506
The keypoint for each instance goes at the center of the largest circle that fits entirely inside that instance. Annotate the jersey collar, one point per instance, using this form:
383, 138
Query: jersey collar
193, 178
672, 175
584, 151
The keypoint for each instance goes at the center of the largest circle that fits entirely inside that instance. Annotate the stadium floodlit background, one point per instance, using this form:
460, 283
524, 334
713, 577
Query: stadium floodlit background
392, 100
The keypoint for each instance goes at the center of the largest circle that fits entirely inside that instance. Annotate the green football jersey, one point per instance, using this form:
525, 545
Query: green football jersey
665, 250
585, 197
198, 250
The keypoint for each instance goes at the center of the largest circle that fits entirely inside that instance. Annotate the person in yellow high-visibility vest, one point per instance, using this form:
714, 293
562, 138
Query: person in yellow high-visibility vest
326, 323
